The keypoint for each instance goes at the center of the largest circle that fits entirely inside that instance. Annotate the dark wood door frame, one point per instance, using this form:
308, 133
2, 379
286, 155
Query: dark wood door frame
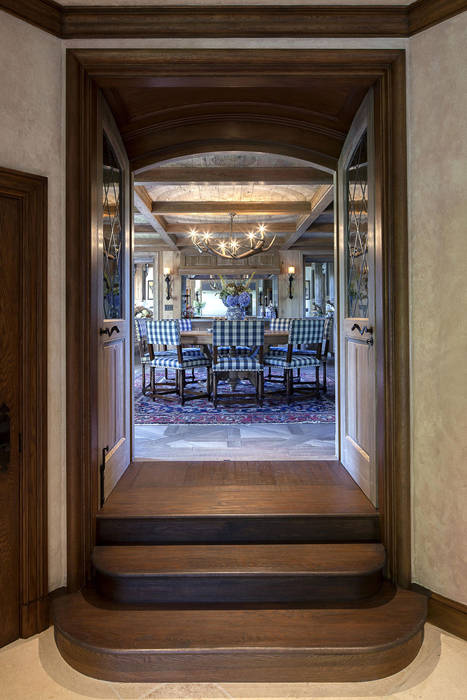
30, 191
86, 70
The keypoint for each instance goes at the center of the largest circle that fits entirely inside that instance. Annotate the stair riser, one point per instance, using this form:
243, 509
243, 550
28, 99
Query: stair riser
231, 529
238, 589
234, 665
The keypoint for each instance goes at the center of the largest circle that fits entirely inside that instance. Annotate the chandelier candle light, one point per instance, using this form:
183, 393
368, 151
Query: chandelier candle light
236, 247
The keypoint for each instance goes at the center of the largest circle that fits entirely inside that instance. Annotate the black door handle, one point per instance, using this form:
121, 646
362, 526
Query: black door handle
5, 438
363, 330
105, 331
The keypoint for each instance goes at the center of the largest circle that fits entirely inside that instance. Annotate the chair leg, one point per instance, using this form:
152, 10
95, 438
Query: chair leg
215, 389
182, 382
144, 379
288, 384
324, 376
208, 382
317, 377
261, 388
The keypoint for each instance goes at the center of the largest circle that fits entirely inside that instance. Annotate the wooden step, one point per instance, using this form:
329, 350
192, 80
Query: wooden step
212, 644
238, 573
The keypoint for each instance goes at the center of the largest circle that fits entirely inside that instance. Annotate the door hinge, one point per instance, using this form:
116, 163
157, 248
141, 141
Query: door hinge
102, 472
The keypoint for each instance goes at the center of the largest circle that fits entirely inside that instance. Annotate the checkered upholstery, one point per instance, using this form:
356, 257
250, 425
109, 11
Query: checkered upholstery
328, 322
296, 361
238, 333
170, 360
238, 364
239, 350
306, 330
185, 324
166, 332
280, 324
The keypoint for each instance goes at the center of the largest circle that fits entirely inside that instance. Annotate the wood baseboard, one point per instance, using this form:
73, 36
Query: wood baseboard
445, 613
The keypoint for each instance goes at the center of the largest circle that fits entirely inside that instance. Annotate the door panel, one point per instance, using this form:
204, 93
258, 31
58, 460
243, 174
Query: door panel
114, 305
356, 207
10, 275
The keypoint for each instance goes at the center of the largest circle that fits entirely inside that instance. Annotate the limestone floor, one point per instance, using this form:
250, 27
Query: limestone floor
237, 442
33, 669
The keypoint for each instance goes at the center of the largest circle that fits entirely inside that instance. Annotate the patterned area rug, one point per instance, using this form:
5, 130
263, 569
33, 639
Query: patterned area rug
308, 407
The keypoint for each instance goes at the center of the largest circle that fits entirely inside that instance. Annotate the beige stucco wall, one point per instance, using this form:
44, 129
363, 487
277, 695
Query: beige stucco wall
31, 138
438, 246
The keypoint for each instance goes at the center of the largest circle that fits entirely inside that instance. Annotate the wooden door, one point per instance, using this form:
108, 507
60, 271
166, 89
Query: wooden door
357, 367
114, 310
10, 274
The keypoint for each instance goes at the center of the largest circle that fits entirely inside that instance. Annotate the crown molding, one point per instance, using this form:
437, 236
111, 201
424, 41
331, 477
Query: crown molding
306, 21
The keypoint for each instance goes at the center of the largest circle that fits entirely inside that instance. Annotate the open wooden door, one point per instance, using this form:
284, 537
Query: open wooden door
356, 258
114, 306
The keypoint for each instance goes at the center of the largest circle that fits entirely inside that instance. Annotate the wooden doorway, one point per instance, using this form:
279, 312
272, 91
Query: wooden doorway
89, 72
23, 405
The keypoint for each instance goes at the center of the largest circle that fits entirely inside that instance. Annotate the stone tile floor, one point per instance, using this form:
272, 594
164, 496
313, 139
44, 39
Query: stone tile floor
237, 442
32, 669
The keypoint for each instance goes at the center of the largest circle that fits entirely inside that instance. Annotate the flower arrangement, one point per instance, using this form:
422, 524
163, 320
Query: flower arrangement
235, 293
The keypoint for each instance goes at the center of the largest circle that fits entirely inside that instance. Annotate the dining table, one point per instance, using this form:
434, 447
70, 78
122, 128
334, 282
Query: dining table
203, 338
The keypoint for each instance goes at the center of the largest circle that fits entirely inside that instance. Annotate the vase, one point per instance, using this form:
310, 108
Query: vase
235, 313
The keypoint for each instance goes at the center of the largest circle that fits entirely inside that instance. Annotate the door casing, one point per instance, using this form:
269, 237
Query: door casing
387, 67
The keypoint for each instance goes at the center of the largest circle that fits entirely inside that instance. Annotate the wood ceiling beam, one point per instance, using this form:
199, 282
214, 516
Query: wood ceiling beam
202, 207
320, 201
182, 229
143, 204
267, 176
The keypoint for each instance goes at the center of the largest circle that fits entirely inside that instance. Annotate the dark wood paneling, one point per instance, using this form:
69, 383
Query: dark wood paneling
263, 645
45, 14
231, 21
29, 192
427, 13
81, 323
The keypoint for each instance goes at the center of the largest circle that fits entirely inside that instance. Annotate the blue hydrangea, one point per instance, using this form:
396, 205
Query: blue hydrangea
244, 299
232, 300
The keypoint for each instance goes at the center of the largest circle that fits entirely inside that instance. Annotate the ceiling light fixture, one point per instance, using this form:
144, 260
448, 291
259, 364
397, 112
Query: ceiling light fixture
243, 245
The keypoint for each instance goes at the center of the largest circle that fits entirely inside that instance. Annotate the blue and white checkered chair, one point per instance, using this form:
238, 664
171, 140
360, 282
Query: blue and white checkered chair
233, 334
279, 324
167, 333
141, 341
304, 330
324, 347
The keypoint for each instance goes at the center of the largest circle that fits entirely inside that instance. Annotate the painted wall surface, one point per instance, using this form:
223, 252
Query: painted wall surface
31, 141
438, 240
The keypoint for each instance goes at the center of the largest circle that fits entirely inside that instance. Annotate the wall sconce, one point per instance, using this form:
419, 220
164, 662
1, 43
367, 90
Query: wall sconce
167, 281
291, 279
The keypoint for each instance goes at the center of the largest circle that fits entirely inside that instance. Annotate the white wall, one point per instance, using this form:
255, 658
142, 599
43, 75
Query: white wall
438, 254
31, 140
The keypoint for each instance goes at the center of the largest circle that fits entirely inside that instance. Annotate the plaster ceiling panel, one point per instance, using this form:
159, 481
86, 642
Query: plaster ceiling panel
246, 192
232, 159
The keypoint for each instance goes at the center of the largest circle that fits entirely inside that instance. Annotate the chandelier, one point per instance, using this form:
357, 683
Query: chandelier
236, 247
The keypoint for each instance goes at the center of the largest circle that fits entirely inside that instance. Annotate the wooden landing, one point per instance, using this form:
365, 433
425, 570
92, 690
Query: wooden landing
179, 502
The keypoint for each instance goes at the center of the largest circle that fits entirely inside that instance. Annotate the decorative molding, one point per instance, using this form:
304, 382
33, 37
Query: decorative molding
31, 193
234, 21
117, 22
426, 13
45, 14
445, 613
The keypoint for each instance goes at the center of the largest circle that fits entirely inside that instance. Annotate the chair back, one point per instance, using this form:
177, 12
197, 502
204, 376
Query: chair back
280, 324
140, 329
328, 322
306, 330
185, 324
233, 333
165, 332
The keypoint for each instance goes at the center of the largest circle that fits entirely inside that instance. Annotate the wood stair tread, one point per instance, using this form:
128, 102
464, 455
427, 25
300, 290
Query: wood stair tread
239, 644
236, 560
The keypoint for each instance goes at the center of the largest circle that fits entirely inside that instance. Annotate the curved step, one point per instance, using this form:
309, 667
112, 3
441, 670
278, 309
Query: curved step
213, 645
238, 573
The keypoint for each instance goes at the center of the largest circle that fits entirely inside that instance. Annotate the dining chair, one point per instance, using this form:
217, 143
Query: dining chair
233, 334
323, 347
141, 341
167, 333
301, 331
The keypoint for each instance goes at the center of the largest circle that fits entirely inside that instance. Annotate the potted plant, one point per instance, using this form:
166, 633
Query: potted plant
236, 297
